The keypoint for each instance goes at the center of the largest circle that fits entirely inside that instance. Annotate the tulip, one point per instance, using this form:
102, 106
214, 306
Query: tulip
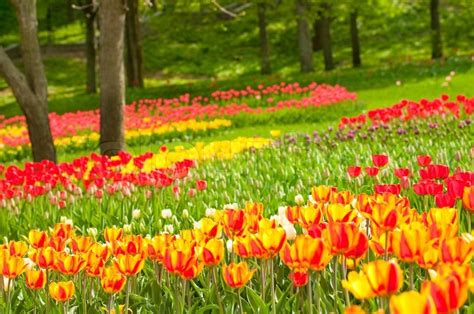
112, 281
428, 258
69, 264
372, 171
157, 246
272, 240
442, 222
62, 230
401, 172
17, 248
388, 188
341, 213
249, 246
385, 277
298, 278
35, 279
293, 214
237, 275
233, 222
354, 309
423, 160
309, 215
306, 253
61, 291
322, 193
353, 171
129, 265
444, 200
456, 250
342, 236
385, 216
438, 171
44, 258
342, 197
113, 234
80, 244
448, 293
94, 264
468, 198
37, 238
209, 228
11, 266
213, 252
456, 187
379, 160
409, 241
412, 302
57, 243
358, 285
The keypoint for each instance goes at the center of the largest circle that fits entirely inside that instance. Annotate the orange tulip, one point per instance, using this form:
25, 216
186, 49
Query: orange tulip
412, 302
17, 248
112, 281
322, 193
341, 213
358, 285
363, 205
377, 243
129, 265
94, 264
233, 222
408, 242
456, 250
81, 244
61, 291
342, 237
385, 278
428, 258
468, 198
293, 214
354, 309
11, 266
237, 275
385, 216
448, 293
157, 246
442, 222
57, 243
209, 228
306, 253
62, 230
130, 244
342, 197
360, 246
272, 240
310, 215
101, 250
44, 258
212, 252
37, 238
113, 234
69, 264
255, 209
249, 246
35, 279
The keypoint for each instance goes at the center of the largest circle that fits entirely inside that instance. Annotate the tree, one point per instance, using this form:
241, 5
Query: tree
134, 55
112, 77
265, 67
89, 8
31, 88
436, 43
355, 44
326, 36
317, 37
304, 37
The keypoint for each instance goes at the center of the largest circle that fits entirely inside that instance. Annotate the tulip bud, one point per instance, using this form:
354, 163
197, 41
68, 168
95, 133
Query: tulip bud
185, 214
230, 245
210, 212
127, 228
92, 232
166, 213
290, 231
136, 214
169, 229
299, 199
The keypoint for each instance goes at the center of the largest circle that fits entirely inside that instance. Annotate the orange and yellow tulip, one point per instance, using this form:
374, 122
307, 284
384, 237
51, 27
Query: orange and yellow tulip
212, 252
69, 264
237, 275
468, 198
385, 277
37, 238
358, 285
62, 230
61, 291
44, 258
456, 250
112, 281
249, 246
81, 244
408, 242
306, 253
233, 222
342, 237
11, 266
310, 215
412, 302
322, 193
385, 216
35, 279
448, 293
17, 248
157, 246
272, 240
129, 265
113, 234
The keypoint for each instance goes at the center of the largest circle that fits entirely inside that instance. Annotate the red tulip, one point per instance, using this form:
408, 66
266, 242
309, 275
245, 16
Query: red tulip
423, 160
380, 160
372, 171
401, 172
354, 171
444, 200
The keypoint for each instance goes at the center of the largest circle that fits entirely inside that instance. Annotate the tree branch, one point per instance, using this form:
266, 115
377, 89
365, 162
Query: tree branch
223, 10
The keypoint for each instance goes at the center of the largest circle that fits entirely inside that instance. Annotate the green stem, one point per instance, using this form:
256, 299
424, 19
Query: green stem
386, 246
310, 293
412, 285
263, 279
110, 304
273, 286
127, 295
216, 286
344, 275
318, 293
334, 282
84, 294
240, 302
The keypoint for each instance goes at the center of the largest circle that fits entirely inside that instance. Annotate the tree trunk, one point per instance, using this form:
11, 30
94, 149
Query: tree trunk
112, 78
30, 89
326, 38
436, 43
70, 11
91, 47
317, 37
265, 66
49, 22
304, 38
355, 40
134, 55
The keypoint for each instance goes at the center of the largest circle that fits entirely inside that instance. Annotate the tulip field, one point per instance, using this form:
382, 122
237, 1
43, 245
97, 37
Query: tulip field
369, 212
